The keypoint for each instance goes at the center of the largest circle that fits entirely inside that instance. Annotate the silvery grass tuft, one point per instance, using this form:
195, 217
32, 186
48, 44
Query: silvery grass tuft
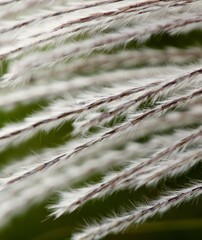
100, 118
